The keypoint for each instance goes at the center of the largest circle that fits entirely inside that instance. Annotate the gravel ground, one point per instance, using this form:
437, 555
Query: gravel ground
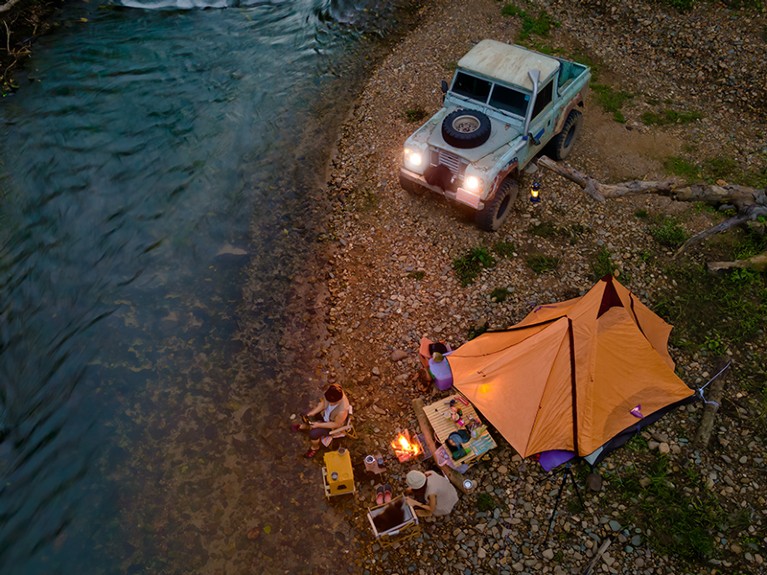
390, 278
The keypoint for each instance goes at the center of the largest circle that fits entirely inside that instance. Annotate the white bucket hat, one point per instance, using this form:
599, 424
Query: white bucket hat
415, 479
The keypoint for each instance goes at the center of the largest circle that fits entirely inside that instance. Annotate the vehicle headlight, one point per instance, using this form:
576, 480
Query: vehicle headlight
472, 184
413, 159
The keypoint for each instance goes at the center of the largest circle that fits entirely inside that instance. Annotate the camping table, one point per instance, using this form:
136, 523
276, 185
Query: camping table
438, 414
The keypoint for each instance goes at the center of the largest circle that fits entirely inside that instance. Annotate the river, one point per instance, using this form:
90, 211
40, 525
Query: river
161, 171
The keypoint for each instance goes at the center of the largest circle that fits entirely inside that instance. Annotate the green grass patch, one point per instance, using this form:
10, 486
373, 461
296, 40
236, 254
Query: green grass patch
550, 230
505, 249
542, 263
669, 117
681, 167
602, 264
668, 232
469, 266
683, 522
499, 294
712, 169
611, 100
719, 168
642, 214
680, 5
415, 114
544, 230
712, 312
365, 200
532, 25
486, 502
417, 275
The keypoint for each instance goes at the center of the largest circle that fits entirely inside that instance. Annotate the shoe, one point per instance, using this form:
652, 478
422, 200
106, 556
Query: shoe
311, 453
295, 426
380, 495
387, 493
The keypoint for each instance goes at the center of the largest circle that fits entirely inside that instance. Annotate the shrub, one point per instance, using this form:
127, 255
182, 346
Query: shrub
500, 294
415, 114
505, 249
485, 502
668, 232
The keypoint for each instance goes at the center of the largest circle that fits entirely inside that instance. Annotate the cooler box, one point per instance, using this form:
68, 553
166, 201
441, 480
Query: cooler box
337, 475
440, 371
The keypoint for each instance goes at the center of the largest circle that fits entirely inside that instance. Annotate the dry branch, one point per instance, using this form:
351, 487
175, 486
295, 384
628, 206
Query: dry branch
8, 5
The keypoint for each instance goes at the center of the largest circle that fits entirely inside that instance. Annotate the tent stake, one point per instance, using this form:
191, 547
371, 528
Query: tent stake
600, 551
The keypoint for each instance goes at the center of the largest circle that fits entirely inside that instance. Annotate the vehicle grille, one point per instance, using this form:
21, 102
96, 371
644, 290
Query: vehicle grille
456, 164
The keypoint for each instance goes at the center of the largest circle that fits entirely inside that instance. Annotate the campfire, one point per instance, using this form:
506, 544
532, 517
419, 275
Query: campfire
406, 447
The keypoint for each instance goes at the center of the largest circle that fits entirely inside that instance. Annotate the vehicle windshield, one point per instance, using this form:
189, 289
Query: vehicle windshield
471, 87
485, 92
509, 100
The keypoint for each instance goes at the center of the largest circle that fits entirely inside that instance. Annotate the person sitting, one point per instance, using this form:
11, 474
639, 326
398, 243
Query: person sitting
330, 413
430, 493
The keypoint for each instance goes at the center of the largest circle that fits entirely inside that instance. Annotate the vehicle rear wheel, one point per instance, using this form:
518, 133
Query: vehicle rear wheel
466, 128
496, 210
563, 143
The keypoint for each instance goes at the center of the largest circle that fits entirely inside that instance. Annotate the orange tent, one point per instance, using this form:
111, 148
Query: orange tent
573, 375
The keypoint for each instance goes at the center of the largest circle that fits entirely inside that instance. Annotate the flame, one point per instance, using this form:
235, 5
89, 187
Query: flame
404, 448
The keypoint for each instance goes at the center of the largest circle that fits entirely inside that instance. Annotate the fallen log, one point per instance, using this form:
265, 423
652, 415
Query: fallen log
428, 436
600, 191
749, 202
758, 263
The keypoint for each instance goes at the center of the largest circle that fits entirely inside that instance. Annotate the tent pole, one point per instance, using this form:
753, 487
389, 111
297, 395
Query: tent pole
565, 471
556, 504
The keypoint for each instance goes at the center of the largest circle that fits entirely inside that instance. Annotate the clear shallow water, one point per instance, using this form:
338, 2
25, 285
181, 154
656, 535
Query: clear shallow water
152, 161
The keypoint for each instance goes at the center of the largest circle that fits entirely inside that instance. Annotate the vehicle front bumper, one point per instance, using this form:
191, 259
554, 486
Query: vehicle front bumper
458, 194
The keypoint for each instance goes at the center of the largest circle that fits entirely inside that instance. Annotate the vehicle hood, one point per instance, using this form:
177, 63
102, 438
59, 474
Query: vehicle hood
503, 131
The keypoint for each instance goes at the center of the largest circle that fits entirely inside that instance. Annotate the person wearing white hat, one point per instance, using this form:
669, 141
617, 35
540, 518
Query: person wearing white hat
430, 493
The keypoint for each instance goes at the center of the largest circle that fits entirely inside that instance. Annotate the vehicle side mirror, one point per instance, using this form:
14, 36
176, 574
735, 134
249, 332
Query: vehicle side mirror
443, 85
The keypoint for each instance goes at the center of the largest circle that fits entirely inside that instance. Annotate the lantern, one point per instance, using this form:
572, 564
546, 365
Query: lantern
535, 192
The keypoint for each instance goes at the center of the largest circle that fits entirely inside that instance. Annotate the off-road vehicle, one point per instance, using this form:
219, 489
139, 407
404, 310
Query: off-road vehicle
504, 105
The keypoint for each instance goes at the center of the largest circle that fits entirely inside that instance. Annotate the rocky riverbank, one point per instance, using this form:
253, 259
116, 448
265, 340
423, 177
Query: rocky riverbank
390, 282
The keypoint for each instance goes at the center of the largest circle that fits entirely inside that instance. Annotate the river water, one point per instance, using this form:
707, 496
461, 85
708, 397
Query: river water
161, 186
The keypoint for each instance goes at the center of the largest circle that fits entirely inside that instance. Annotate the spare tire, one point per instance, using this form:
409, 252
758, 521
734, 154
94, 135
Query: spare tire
466, 128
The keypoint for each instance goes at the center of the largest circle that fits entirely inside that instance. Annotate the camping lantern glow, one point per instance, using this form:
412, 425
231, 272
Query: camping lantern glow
535, 192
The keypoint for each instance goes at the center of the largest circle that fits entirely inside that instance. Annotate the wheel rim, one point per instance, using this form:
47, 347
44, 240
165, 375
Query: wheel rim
466, 124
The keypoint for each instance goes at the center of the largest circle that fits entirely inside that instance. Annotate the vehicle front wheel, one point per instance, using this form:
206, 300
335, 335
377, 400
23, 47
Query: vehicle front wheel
563, 143
496, 210
411, 187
